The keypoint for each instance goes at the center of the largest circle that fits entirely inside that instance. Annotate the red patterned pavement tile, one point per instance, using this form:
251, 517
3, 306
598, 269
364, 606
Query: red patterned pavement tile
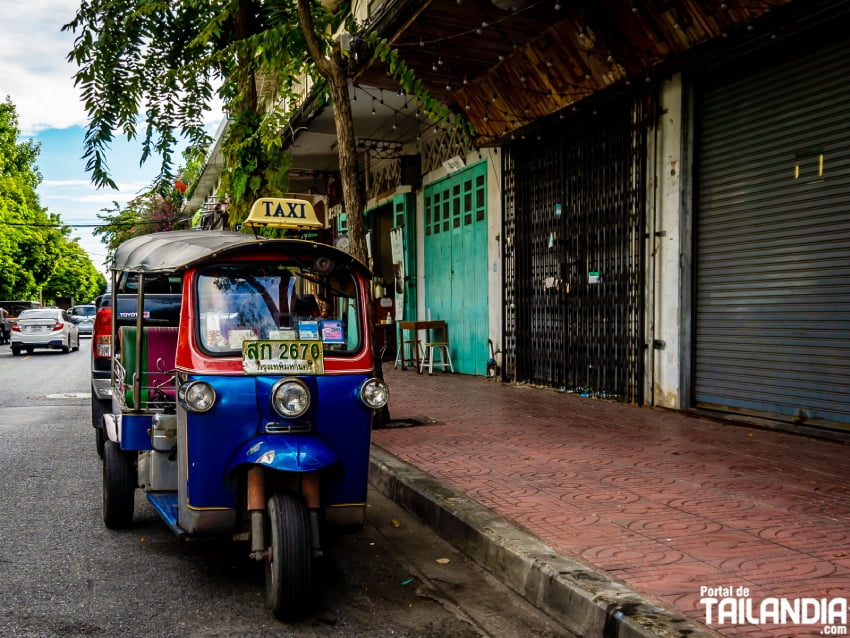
790, 566
683, 525
615, 497
807, 535
615, 557
722, 545
757, 518
684, 577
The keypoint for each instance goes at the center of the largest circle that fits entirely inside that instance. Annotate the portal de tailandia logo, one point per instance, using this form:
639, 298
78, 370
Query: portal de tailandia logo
731, 605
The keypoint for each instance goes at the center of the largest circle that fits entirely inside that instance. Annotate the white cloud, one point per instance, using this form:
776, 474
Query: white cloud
33, 65
34, 70
36, 75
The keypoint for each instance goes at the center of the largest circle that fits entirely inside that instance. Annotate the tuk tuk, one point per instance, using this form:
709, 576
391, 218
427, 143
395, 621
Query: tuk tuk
245, 408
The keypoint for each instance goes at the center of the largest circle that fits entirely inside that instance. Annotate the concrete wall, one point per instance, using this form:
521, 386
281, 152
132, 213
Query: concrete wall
669, 244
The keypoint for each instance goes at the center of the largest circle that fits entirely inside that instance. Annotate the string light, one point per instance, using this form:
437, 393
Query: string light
592, 47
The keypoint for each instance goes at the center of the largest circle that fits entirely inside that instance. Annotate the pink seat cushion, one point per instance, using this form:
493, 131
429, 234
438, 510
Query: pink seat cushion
162, 350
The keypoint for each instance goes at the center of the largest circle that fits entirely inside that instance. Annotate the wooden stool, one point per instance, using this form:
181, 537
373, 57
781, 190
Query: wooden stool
437, 343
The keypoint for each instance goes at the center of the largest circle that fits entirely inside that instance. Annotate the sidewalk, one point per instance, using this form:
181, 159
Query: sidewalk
612, 517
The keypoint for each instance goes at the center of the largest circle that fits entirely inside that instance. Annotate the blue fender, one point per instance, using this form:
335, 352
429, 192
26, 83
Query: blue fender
288, 453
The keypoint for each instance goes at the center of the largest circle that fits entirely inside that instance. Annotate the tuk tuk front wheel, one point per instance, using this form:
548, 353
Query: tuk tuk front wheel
119, 486
289, 563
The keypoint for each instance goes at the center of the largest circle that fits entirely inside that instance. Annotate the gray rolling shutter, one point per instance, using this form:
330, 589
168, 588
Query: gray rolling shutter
773, 240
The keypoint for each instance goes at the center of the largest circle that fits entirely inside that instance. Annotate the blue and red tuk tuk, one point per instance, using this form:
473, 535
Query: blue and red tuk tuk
245, 407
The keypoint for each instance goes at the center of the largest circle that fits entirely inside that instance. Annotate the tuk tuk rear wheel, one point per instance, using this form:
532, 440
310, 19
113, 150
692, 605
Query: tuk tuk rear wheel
119, 486
289, 564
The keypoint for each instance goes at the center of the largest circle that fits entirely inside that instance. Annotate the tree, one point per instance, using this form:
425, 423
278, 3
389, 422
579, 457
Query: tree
37, 259
74, 275
164, 59
332, 69
156, 209
30, 238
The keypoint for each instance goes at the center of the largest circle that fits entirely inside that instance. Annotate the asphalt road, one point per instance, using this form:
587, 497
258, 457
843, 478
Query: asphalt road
62, 573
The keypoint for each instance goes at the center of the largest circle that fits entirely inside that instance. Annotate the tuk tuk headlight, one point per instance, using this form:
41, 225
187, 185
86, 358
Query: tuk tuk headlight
290, 398
374, 393
196, 396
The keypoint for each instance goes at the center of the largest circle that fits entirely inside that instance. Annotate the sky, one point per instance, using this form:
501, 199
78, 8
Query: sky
36, 76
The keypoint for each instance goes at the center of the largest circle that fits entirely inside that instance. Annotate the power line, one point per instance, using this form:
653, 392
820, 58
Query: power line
63, 225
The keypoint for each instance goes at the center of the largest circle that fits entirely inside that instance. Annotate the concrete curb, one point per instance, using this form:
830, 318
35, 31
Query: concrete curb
585, 602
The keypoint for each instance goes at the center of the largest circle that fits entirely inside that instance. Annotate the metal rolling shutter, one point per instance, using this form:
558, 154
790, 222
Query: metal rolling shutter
772, 329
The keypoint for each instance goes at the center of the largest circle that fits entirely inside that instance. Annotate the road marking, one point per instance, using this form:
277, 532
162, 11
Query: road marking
11, 363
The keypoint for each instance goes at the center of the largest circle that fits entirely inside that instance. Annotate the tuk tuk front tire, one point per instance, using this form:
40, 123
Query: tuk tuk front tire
289, 564
119, 486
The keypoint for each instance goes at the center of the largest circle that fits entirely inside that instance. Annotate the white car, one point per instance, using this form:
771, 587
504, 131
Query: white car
44, 328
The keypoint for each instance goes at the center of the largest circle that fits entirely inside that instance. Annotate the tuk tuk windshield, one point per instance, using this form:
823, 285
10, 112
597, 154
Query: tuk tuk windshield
258, 300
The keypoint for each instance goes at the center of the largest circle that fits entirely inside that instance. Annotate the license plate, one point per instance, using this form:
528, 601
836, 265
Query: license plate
283, 357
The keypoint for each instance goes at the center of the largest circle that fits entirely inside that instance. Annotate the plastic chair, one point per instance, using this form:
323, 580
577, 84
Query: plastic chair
437, 344
410, 343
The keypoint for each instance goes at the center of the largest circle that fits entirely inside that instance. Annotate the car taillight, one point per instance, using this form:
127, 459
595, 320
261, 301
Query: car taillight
16, 327
103, 346
58, 326
102, 333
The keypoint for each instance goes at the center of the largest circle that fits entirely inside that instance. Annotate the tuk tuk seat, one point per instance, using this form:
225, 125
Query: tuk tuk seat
159, 348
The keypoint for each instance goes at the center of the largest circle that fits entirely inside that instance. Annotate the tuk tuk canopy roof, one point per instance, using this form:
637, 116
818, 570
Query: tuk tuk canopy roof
176, 250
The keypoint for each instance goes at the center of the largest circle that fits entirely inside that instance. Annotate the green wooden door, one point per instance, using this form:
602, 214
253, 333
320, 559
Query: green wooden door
456, 264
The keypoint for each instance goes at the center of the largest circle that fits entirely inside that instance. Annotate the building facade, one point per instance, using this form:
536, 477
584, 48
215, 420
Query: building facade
662, 222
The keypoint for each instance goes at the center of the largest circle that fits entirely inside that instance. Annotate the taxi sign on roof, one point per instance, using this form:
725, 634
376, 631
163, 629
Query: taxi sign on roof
278, 212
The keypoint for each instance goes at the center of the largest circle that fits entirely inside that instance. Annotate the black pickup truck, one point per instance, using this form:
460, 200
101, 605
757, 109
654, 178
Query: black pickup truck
160, 309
